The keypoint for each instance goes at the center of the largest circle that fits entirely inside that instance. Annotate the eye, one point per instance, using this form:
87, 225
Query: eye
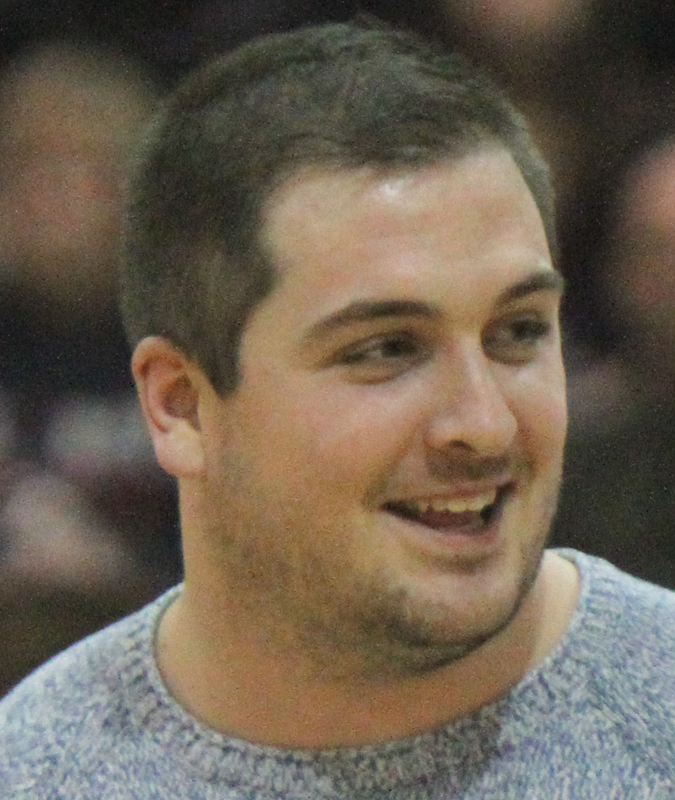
382, 357
518, 339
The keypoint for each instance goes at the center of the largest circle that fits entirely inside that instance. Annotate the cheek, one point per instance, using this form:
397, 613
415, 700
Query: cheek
540, 404
346, 433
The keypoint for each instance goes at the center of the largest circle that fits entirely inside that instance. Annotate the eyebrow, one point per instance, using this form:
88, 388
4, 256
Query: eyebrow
545, 280
367, 311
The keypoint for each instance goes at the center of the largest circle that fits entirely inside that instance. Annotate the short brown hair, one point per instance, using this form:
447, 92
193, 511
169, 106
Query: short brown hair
342, 95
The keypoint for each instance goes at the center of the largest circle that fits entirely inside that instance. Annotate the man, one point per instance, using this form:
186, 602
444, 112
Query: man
340, 287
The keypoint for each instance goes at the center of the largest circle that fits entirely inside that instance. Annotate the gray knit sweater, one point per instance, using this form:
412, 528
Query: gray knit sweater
596, 721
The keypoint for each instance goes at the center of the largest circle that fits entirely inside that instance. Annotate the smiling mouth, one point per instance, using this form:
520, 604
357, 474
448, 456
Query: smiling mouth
470, 515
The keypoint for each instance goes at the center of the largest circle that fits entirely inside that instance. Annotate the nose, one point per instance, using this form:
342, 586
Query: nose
472, 413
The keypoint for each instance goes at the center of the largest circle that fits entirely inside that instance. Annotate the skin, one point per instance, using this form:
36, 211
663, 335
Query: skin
409, 354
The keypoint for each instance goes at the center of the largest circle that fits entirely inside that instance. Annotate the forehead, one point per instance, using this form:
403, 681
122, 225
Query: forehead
368, 231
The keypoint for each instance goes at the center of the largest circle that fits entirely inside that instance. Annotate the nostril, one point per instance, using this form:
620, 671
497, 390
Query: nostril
485, 429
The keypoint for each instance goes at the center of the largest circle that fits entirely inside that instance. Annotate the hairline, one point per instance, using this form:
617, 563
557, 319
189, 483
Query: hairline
455, 153
205, 97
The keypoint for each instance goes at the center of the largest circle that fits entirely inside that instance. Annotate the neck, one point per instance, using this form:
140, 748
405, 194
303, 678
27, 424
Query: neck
242, 685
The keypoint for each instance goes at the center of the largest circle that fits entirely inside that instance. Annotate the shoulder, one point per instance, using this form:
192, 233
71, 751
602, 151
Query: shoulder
622, 619
623, 642
620, 611
599, 713
72, 707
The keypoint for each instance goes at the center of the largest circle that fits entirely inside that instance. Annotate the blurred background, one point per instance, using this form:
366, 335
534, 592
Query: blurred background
88, 523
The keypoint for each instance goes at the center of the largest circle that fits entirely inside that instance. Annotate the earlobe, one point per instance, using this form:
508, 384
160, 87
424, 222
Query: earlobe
169, 391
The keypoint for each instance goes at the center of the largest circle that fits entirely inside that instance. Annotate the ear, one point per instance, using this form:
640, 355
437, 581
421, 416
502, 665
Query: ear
169, 386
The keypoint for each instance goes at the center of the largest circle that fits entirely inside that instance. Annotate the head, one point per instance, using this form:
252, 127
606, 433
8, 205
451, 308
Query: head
339, 266
638, 276
69, 112
344, 95
521, 24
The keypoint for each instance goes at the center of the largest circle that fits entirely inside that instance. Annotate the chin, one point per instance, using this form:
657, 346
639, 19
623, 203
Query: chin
422, 631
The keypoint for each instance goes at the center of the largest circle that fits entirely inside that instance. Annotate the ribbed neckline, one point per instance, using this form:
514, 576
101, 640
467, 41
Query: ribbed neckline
452, 749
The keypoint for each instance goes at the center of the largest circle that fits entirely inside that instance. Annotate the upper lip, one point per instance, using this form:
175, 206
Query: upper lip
467, 498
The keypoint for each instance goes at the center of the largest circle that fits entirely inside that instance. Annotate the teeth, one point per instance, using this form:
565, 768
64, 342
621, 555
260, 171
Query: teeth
458, 506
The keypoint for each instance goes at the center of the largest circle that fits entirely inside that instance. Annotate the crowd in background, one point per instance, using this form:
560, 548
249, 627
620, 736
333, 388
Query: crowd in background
88, 528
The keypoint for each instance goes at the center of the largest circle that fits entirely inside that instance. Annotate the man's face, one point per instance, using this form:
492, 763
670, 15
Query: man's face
382, 481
